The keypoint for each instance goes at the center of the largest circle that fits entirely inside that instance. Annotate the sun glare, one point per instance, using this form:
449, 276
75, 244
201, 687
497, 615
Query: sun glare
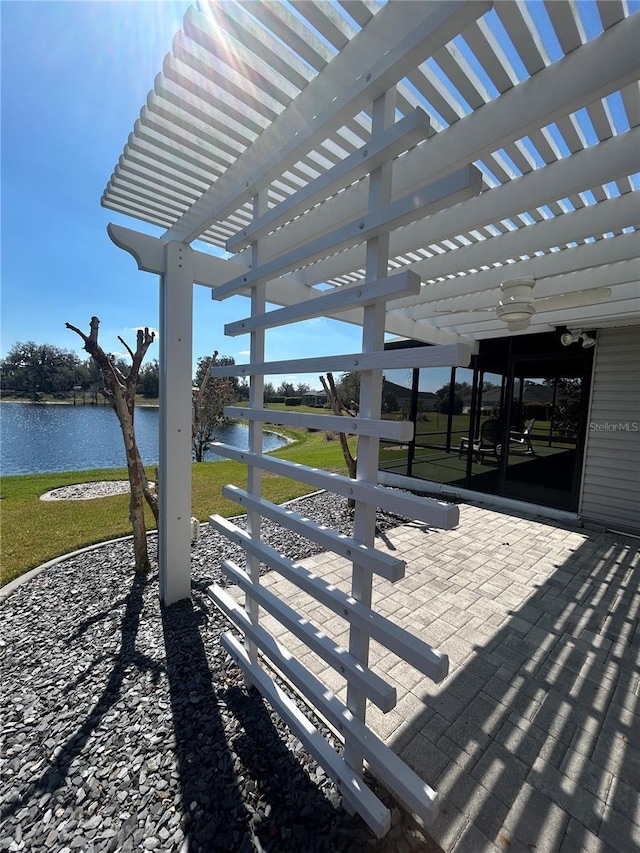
139, 35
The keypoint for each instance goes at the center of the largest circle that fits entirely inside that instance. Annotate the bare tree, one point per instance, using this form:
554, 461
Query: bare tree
340, 409
120, 388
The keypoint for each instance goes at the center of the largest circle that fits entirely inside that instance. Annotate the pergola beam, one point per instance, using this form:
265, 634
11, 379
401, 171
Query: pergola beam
461, 184
544, 268
611, 159
400, 36
591, 285
284, 291
580, 317
604, 65
401, 136
611, 215
148, 253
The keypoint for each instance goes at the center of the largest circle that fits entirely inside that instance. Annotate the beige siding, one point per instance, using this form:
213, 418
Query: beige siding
611, 482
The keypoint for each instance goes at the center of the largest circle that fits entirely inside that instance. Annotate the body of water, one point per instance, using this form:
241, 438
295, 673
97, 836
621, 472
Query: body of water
38, 439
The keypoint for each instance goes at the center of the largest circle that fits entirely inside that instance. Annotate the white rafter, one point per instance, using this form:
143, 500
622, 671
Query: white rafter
254, 96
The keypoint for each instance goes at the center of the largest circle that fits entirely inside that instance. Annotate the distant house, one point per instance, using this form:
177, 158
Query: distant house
315, 399
427, 400
532, 393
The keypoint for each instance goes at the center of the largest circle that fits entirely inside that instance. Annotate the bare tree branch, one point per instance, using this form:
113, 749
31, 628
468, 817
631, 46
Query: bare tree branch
144, 340
78, 332
126, 345
338, 409
109, 372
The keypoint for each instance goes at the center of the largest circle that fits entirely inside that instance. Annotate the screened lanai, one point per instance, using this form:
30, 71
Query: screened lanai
445, 173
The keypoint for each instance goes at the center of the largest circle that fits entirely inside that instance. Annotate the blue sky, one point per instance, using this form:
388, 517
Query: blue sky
74, 77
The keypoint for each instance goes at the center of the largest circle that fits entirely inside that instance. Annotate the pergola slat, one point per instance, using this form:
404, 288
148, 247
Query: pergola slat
403, 135
230, 101
328, 22
491, 56
567, 25
531, 239
228, 29
611, 12
517, 22
177, 116
217, 119
461, 184
330, 100
519, 112
573, 285
631, 100
291, 30
599, 164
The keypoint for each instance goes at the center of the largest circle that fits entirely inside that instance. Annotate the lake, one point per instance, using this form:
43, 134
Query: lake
37, 439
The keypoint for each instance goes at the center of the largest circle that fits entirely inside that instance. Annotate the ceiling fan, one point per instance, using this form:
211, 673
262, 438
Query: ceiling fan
517, 304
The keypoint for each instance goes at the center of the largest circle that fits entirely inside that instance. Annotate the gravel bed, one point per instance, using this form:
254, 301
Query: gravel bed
88, 491
126, 727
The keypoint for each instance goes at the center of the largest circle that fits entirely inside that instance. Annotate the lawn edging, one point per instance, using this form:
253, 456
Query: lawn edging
13, 585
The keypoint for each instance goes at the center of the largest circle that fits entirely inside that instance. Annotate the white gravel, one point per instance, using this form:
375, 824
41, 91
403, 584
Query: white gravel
88, 491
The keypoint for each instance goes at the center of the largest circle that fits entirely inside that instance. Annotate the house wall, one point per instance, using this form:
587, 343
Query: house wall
611, 475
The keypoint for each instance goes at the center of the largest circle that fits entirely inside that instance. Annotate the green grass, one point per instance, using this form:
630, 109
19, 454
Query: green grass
34, 531
282, 407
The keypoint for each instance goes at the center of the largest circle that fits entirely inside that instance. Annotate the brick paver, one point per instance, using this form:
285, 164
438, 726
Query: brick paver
533, 739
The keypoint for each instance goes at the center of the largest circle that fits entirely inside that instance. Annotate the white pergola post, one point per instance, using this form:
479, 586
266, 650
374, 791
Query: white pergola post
370, 403
176, 346
256, 400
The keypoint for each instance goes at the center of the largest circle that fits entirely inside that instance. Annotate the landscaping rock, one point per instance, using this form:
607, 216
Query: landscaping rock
127, 727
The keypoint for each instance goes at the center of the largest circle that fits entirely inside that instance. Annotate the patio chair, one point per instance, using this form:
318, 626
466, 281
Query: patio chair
488, 442
523, 438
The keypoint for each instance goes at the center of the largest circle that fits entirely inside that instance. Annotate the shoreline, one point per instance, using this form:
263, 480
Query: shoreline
153, 404
148, 465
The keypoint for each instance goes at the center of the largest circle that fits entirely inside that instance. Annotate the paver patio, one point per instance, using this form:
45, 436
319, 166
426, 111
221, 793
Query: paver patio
531, 739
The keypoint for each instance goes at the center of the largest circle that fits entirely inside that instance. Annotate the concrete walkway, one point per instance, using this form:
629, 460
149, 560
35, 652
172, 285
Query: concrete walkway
533, 740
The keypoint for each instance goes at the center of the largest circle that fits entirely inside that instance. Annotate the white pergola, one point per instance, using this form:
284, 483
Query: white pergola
411, 157
246, 102
274, 98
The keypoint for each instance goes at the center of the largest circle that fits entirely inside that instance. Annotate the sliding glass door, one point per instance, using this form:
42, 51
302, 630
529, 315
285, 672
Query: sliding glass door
544, 439
512, 424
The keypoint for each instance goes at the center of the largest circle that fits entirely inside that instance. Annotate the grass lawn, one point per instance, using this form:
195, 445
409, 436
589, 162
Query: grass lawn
34, 531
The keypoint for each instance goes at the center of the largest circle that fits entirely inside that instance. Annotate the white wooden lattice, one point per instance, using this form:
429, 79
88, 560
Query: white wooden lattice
363, 685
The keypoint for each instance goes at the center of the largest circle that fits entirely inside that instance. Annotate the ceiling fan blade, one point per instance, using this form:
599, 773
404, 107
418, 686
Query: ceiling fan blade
572, 300
463, 311
546, 303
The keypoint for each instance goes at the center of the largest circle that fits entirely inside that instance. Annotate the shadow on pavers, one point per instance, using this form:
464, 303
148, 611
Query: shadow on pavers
533, 742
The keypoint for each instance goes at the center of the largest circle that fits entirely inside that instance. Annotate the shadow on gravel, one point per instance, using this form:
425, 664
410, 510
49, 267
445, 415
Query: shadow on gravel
214, 816
127, 658
292, 812
86, 624
245, 782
